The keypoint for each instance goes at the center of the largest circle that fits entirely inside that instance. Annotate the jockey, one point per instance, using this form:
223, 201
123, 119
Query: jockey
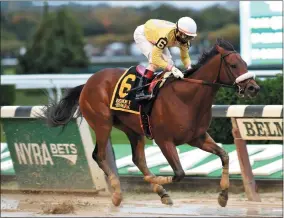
153, 39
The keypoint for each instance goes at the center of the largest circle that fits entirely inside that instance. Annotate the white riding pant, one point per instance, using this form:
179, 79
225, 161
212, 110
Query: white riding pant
146, 47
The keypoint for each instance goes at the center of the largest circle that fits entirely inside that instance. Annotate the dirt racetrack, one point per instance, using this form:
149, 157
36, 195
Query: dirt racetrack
139, 205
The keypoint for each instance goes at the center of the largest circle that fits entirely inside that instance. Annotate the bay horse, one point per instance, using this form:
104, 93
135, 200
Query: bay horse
181, 114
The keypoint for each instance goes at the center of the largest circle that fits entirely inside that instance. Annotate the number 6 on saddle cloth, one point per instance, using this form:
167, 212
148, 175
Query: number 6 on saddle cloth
123, 97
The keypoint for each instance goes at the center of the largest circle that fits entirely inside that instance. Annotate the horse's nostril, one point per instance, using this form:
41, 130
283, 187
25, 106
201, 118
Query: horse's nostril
251, 88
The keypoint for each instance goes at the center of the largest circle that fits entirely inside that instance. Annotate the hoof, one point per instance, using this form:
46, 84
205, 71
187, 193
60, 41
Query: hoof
116, 199
223, 198
167, 200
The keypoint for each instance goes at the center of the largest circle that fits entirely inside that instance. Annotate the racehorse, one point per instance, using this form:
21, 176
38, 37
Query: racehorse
181, 114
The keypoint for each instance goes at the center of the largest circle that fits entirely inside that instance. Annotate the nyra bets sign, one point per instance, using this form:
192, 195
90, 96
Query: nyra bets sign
39, 154
261, 129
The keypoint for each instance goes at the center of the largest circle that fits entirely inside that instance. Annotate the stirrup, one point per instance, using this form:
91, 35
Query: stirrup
144, 97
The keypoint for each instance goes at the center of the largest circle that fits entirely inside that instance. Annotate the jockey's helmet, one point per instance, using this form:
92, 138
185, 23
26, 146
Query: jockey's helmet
186, 29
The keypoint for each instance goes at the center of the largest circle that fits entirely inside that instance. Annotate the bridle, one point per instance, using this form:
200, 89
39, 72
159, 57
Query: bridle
229, 72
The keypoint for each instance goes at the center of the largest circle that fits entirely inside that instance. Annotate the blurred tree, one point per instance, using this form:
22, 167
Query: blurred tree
8, 95
21, 24
96, 21
57, 44
117, 20
229, 32
216, 17
167, 12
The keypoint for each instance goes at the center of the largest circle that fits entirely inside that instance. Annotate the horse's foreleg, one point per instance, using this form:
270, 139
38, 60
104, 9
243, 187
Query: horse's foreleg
210, 145
139, 159
170, 152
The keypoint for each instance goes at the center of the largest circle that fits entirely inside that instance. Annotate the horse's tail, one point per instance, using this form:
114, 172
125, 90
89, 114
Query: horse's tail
60, 114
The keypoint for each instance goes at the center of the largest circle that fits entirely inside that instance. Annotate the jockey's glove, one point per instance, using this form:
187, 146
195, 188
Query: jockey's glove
177, 73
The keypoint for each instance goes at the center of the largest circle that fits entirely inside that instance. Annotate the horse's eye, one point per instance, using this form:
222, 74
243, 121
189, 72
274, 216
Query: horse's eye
234, 66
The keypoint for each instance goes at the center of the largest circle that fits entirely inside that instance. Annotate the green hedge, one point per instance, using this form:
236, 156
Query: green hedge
271, 93
8, 95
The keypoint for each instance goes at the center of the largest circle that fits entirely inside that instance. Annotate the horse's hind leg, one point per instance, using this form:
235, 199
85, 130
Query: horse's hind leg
210, 145
99, 155
138, 157
102, 125
112, 177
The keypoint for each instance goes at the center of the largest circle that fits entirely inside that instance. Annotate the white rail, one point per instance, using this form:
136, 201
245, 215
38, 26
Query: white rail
38, 81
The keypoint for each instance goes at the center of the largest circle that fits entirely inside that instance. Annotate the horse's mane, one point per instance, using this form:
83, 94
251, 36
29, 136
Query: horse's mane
207, 55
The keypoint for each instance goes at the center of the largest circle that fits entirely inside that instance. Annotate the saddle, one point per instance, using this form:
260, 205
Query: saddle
123, 97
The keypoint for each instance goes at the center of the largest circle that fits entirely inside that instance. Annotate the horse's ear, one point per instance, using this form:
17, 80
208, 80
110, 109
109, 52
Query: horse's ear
220, 49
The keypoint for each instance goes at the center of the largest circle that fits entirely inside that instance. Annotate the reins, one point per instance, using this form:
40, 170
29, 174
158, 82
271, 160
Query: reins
202, 82
197, 81
215, 83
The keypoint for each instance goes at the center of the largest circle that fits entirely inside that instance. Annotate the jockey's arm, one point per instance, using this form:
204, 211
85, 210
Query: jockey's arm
157, 52
184, 55
157, 59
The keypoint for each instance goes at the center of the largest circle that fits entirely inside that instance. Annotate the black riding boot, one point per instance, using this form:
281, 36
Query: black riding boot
142, 94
